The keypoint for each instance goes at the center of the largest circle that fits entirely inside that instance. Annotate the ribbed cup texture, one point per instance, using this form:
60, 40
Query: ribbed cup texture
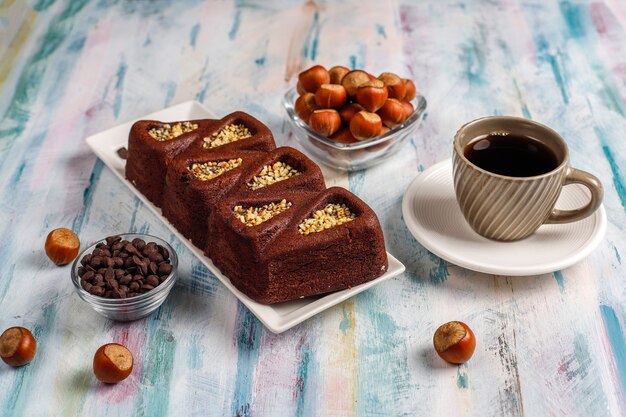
504, 208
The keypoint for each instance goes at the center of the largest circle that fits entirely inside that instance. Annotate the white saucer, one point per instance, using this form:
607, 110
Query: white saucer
433, 216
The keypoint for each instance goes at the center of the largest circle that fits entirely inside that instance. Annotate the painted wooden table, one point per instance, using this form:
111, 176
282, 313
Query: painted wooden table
548, 345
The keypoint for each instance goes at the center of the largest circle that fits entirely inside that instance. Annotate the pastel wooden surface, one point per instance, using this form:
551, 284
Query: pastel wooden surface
547, 345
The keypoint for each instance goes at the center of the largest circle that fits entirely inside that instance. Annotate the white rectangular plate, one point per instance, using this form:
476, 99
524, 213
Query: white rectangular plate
276, 317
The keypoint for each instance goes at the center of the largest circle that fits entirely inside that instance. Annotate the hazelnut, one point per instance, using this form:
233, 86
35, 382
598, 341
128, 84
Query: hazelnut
352, 80
348, 111
344, 136
304, 106
112, 363
337, 73
454, 342
408, 109
394, 84
330, 96
17, 346
300, 89
410, 90
325, 121
392, 113
372, 95
365, 125
313, 78
62, 246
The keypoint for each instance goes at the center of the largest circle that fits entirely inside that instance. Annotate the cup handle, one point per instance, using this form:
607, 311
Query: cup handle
576, 176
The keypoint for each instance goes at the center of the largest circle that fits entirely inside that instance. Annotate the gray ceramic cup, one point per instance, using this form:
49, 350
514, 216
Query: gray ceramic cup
510, 208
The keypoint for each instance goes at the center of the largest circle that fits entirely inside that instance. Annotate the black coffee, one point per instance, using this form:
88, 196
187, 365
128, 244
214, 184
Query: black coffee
511, 155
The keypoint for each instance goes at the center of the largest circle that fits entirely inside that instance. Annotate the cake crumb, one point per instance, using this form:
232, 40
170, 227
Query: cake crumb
209, 170
168, 131
330, 216
230, 133
271, 174
253, 216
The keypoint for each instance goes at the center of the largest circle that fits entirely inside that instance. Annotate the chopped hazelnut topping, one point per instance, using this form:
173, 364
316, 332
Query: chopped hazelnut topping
330, 216
253, 216
230, 133
270, 174
168, 132
209, 170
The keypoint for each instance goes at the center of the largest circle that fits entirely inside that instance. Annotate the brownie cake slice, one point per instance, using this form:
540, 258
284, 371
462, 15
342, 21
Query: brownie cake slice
244, 230
152, 145
322, 242
195, 182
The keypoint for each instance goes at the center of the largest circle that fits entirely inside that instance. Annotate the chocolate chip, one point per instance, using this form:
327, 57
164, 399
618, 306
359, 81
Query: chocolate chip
164, 252
87, 286
95, 261
113, 239
134, 286
152, 280
147, 287
86, 260
81, 271
126, 279
164, 268
99, 291
153, 268
139, 243
156, 257
88, 275
122, 152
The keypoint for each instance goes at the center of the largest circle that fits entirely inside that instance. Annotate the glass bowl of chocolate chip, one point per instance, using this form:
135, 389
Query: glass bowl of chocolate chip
125, 277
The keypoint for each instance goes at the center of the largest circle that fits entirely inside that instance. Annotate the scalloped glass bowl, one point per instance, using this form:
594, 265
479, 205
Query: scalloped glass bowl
134, 308
349, 157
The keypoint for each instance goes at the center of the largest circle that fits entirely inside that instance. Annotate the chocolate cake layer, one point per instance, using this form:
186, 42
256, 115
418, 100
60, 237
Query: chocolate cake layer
242, 251
276, 261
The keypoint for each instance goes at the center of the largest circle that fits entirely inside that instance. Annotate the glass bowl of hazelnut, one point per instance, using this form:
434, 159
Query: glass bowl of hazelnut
350, 120
125, 277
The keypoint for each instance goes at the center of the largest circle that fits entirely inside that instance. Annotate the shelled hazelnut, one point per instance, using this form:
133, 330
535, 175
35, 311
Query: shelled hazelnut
348, 111
325, 121
365, 125
305, 106
313, 78
330, 96
62, 246
337, 73
395, 85
353, 80
17, 346
454, 342
392, 113
112, 363
330, 99
371, 95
